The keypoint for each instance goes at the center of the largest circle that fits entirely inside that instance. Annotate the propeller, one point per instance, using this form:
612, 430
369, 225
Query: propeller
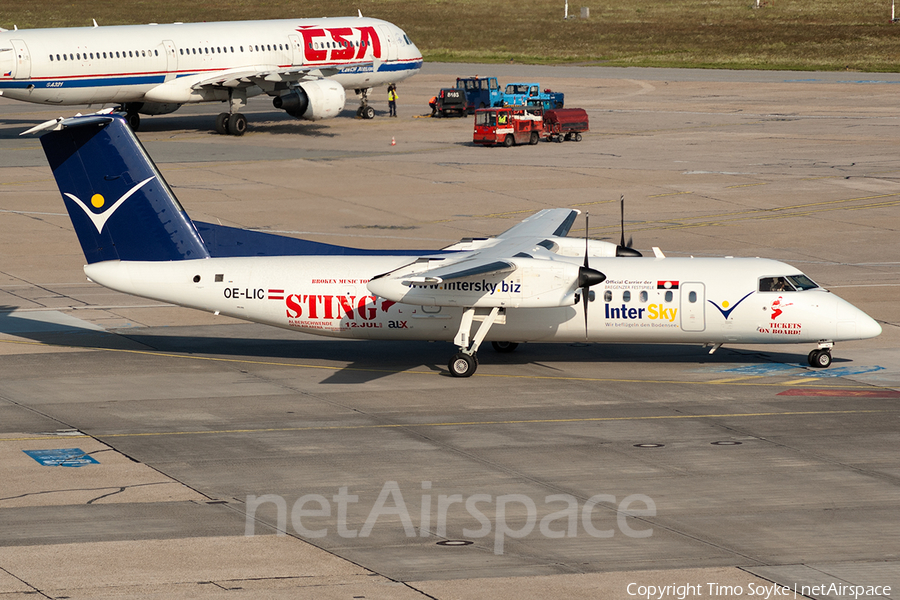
586, 275
624, 249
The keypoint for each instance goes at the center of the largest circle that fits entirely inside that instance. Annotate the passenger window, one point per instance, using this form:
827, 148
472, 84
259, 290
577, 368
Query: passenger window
669, 296
626, 296
607, 296
692, 297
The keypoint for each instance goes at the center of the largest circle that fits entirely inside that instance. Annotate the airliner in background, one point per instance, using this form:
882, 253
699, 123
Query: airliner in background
304, 64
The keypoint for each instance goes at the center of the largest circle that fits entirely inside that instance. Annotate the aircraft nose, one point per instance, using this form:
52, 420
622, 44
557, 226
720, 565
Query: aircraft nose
854, 324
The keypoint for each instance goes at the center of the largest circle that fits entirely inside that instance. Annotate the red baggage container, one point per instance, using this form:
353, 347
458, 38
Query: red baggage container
566, 123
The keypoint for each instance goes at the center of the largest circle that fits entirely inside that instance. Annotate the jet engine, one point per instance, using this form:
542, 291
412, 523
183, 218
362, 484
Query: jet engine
152, 108
313, 100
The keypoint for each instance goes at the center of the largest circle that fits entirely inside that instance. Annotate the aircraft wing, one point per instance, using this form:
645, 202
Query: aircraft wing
518, 242
555, 221
246, 77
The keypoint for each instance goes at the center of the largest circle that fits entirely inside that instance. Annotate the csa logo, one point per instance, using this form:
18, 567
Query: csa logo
99, 202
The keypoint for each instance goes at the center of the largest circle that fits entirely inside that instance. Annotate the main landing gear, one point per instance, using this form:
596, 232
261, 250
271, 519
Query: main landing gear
233, 122
820, 358
464, 362
364, 111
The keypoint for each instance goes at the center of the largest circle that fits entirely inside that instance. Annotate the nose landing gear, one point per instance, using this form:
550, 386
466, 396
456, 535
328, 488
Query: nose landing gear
820, 358
364, 111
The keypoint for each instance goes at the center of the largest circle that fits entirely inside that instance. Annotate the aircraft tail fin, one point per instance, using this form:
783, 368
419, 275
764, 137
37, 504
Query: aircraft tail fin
119, 203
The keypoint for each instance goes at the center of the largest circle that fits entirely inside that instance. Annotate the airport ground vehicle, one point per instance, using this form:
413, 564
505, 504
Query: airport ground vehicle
449, 102
530, 94
481, 92
515, 125
508, 126
565, 124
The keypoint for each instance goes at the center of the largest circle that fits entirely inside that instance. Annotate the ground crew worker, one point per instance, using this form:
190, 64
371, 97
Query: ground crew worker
433, 104
392, 100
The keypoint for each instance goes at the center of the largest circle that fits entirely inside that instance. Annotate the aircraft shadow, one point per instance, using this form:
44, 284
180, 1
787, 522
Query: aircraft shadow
268, 122
361, 361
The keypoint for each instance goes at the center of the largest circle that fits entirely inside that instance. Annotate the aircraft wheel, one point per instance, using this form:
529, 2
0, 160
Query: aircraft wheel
820, 359
237, 124
222, 123
359, 112
534, 138
462, 365
508, 141
577, 137
368, 113
504, 347
134, 120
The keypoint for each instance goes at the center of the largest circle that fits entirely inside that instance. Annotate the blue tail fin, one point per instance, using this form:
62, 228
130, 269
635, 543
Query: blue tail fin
119, 203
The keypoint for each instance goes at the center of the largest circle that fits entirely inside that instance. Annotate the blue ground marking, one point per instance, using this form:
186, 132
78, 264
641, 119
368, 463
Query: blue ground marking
798, 370
63, 457
841, 371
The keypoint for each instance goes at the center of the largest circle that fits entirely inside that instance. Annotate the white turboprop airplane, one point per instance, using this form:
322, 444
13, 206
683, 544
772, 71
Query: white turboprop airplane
305, 64
528, 284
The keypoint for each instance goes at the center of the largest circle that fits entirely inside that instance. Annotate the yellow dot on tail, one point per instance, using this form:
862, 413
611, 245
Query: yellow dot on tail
97, 200
725, 304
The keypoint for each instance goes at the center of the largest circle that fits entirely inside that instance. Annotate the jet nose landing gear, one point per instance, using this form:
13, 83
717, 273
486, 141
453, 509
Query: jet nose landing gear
364, 111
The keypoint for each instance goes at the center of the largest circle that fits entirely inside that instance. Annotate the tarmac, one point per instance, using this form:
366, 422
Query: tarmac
222, 459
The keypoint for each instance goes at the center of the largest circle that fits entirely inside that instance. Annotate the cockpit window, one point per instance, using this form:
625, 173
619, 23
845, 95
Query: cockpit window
789, 283
802, 282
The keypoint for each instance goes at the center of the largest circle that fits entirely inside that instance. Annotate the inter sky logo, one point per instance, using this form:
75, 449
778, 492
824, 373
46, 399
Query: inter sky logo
99, 202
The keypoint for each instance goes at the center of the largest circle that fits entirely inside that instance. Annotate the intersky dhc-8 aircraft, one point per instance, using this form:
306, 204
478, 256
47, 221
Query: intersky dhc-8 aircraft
528, 284
304, 64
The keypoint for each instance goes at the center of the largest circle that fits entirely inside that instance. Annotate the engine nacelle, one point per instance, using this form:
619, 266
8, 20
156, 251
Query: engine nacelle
313, 100
153, 108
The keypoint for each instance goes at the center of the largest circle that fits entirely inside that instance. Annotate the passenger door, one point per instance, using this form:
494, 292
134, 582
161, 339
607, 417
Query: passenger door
693, 306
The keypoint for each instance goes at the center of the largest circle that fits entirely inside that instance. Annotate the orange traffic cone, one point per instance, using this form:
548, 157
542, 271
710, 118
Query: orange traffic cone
393, 142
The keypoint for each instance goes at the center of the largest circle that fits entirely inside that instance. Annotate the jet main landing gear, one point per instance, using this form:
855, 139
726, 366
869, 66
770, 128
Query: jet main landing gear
233, 123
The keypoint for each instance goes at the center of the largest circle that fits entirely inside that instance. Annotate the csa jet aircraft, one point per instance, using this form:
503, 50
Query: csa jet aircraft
304, 64
528, 284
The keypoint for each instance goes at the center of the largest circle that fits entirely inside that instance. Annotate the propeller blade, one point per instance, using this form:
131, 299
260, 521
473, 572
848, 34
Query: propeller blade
624, 249
585, 268
584, 303
587, 228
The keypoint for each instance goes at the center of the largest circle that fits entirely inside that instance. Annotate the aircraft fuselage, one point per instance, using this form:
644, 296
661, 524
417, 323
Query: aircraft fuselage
133, 63
671, 300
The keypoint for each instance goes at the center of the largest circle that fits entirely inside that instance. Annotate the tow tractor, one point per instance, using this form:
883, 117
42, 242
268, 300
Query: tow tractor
527, 124
508, 126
